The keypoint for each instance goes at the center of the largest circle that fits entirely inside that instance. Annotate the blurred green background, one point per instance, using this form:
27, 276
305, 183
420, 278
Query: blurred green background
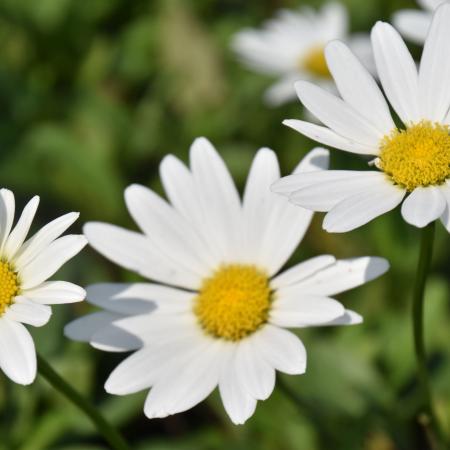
93, 94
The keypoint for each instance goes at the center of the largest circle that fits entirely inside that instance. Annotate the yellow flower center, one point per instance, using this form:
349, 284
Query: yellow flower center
417, 156
9, 286
315, 63
234, 302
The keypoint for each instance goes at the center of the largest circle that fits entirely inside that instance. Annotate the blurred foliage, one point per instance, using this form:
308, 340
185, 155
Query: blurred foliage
92, 95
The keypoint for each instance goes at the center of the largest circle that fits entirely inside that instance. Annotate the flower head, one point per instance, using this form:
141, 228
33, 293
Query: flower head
413, 23
413, 161
291, 47
216, 311
24, 292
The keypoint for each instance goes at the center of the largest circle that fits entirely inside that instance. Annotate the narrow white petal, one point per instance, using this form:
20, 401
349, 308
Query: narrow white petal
324, 192
434, 73
357, 87
292, 309
445, 218
397, 72
83, 328
282, 91
55, 293
282, 349
328, 137
25, 310
361, 208
301, 271
112, 338
47, 234
20, 231
430, 5
238, 403
345, 274
348, 318
337, 114
139, 298
413, 24
17, 352
135, 252
167, 229
7, 209
50, 260
255, 374
423, 206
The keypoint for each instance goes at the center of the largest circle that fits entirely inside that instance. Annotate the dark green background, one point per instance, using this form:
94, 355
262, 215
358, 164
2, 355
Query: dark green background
93, 94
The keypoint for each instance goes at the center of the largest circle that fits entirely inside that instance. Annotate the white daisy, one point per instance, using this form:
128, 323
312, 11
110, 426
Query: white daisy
24, 292
414, 23
218, 314
291, 47
413, 162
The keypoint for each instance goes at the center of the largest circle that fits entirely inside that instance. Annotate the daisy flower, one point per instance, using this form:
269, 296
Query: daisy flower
413, 23
413, 160
216, 311
291, 47
24, 292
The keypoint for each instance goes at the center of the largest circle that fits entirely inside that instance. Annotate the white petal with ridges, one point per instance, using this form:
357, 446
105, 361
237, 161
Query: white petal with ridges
55, 293
27, 311
423, 206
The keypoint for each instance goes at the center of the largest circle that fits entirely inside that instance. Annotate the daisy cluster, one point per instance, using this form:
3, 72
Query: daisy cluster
217, 305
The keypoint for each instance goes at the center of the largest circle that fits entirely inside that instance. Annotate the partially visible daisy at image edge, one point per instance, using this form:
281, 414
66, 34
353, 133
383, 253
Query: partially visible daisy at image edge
25, 292
291, 47
413, 162
414, 24
217, 309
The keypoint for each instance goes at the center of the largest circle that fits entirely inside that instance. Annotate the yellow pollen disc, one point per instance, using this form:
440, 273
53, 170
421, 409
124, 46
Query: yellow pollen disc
315, 63
9, 286
234, 302
417, 156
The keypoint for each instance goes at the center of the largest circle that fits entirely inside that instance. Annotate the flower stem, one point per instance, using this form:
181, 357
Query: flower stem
111, 435
427, 417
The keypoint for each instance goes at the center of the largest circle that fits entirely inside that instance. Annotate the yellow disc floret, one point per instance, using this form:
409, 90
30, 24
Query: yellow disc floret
9, 286
234, 302
315, 63
417, 156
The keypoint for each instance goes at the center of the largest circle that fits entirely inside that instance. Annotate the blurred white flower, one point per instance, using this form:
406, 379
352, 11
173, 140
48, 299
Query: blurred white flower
219, 314
413, 24
413, 162
291, 47
24, 291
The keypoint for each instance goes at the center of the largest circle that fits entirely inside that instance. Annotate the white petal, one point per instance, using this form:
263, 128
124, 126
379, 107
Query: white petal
397, 72
445, 218
423, 206
139, 298
20, 231
27, 311
434, 73
413, 24
112, 338
326, 190
282, 349
345, 274
47, 234
292, 309
301, 271
334, 21
17, 353
337, 115
255, 374
7, 208
357, 87
361, 208
238, 403
83, 328
50, 260
282, 91
135, 252
348, 318
328, 137
55, 293
167, 229
188, 384
218, 197
430, 5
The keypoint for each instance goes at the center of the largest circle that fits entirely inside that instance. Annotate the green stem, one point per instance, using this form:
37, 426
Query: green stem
427, 416
111, 435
